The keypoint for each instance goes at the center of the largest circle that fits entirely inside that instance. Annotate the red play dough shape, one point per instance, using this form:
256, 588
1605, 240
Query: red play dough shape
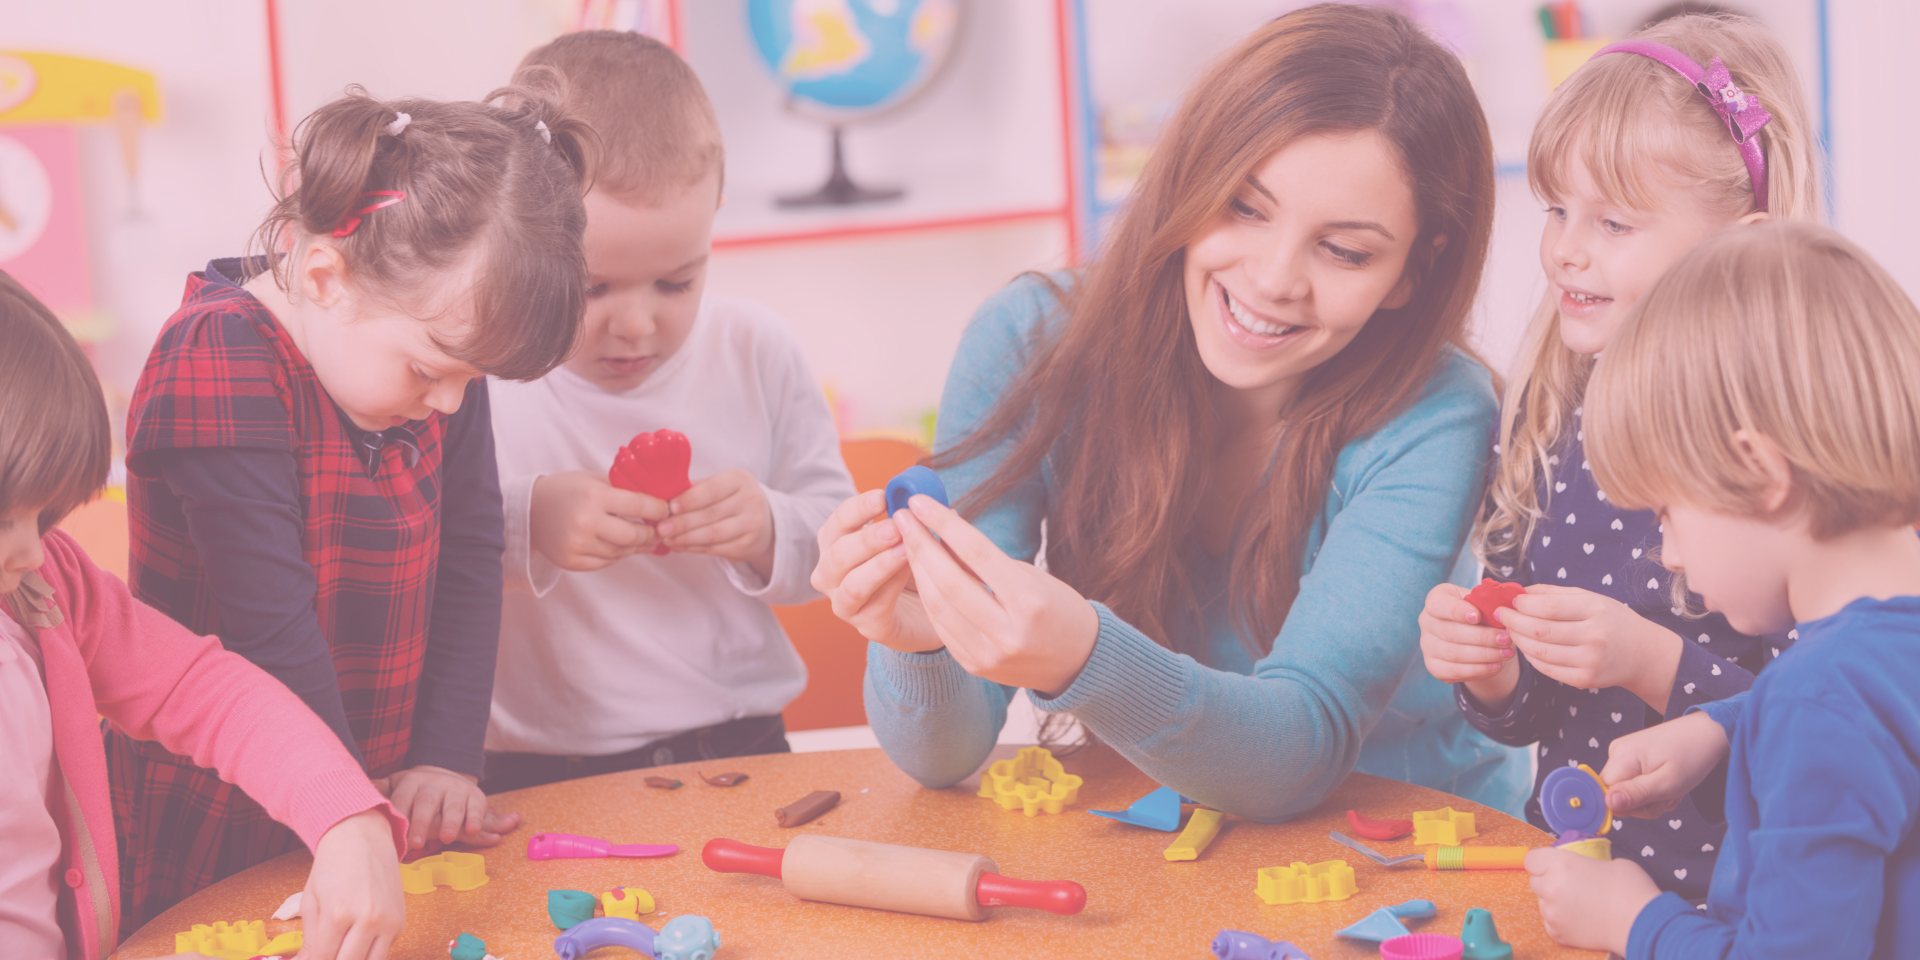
654, 464
1378, 829
1491, 595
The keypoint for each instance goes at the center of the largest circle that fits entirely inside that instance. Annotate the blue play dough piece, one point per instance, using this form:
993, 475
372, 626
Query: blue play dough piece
1557, 793
1159, 810
912, 480
1415, 910
1384, 924
467, 947
1241, 945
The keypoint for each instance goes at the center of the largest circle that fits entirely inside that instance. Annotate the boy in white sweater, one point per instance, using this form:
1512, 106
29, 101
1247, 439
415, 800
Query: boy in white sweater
613, 658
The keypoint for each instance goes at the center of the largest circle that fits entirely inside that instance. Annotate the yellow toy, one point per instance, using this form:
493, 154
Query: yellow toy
1033, 781
1444, 827
461, 871
1202, 827
1306, 883
240, 940
628, 902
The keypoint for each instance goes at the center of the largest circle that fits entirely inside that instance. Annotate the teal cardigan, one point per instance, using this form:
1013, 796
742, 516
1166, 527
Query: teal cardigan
1343, 688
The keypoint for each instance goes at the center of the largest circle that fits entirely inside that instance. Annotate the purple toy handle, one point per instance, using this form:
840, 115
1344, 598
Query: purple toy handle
556, 846
588, 935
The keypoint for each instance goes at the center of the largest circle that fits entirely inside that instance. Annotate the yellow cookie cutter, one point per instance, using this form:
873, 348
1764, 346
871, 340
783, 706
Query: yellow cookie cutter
1306, 882
239, 940
1444, 827
1033, 780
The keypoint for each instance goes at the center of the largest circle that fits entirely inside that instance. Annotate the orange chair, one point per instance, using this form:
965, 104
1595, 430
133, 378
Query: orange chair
836, 653
100, 527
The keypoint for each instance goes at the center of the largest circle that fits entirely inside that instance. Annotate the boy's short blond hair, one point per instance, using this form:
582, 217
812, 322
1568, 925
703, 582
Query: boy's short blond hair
658, 132
1782, 329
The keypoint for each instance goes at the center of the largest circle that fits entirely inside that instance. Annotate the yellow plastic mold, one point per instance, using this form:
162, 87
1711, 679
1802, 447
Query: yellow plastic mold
628, 902
1202, 827
1033, 781
239, 940
1445, 827
461, 871
1306, 882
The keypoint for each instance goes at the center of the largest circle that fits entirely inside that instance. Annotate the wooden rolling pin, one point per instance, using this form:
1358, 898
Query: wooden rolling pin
934, 883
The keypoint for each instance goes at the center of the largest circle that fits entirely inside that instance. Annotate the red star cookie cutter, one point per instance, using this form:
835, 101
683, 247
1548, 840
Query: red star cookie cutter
654, 464
1491, 595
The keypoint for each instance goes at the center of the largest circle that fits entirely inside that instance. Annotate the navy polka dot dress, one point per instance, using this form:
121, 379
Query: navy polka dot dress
1587, 542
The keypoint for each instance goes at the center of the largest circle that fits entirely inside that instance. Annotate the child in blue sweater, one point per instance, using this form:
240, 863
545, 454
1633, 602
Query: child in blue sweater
1763, 402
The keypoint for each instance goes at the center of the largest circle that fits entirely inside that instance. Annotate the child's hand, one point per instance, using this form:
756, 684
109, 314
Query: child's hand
1583, 639
1458, 648
446, 806
863, 571
726, 516
581, 522
353, 908
1588, 904
1649, 772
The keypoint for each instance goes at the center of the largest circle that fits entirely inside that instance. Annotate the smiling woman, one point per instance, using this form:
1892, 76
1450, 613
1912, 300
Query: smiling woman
1251, 430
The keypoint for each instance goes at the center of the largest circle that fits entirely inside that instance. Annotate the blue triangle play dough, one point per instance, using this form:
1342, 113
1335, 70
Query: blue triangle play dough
1159, 810
1384, 924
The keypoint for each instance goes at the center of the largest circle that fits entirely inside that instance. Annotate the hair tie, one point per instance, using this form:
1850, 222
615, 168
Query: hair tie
380, 198
1740, 111
399, 123
546, 135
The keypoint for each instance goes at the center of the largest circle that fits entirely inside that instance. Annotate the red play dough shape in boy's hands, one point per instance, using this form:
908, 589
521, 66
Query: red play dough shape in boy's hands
654, 464
1491, 595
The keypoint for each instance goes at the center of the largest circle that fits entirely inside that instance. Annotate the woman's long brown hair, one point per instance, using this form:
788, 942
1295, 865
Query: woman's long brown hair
1117, 403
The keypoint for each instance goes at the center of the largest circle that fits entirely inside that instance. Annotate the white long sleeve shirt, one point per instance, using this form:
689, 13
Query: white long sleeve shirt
605, 662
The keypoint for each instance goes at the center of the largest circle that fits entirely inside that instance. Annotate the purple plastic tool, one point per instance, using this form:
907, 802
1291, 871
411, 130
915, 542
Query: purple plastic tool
556, 846
590, 935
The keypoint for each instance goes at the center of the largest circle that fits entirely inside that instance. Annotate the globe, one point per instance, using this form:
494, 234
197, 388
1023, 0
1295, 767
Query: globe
846, 60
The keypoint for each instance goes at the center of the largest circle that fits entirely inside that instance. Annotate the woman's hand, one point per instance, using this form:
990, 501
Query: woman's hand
1650, 771
1458, 648
1583, 639
1001, 619
353, 908
1588, 904
443, 805
865, 576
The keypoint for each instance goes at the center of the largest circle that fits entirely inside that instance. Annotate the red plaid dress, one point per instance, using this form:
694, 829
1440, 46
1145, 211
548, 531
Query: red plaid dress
224, 374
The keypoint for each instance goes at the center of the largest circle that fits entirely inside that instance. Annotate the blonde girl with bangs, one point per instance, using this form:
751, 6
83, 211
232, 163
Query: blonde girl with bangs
1692, 125
1762, 401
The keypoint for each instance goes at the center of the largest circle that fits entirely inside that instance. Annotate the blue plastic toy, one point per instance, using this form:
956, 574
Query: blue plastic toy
1480, 941
1159, 810
1573, 801
912, 480
467, 947
589, 935
687, 937
1241, 945
1386, 923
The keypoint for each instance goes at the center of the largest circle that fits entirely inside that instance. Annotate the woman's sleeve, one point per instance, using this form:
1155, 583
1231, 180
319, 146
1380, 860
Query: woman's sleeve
935, 720
1269, 746
456, 678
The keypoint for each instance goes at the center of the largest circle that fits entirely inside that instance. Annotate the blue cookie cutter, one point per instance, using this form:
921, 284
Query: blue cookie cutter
1386, 923
1159, 810
912, 480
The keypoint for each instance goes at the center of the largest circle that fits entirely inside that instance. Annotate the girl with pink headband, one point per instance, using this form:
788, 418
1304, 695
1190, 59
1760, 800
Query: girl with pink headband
1692, 125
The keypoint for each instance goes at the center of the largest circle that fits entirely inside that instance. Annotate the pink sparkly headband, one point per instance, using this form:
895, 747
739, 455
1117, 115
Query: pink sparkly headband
1743, 114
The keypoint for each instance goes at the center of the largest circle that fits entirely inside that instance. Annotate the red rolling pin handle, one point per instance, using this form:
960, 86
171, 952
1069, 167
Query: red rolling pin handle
731, 856
1054, 896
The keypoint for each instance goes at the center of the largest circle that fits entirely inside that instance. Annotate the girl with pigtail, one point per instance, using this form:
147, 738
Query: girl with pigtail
1692, 125
311, 465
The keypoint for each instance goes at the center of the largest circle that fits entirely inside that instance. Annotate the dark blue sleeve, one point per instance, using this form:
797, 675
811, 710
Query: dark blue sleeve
243, 510
1536, 698
456, 680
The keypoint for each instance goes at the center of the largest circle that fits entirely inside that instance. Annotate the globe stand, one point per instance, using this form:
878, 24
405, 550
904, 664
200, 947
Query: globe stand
840, 190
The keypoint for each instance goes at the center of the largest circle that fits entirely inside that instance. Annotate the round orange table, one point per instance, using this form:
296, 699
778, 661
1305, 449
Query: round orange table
1138, 904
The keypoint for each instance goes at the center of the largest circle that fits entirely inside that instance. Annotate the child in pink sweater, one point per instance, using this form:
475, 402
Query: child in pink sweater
75, 645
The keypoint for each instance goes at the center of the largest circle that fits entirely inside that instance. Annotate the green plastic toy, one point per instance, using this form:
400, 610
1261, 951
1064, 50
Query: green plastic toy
467, 947
568, 907
1481, 939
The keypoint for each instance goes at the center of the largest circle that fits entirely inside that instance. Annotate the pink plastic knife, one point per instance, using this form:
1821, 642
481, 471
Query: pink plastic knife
555, 846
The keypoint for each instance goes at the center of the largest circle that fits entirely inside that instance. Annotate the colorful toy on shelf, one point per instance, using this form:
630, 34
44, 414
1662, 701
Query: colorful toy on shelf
1372, 854
461, 871
561, 846
1387, 923
1444, 827
589, 935
1491, 595
1033, 782
240, 940
1159, 810
466, 946
723, 779
1305, 883
654, 464
687, 937
566, 908
858, 873
1479, 939
807, 809
1202, 827
1241, 945
628, 902
1421, 946
1378, 829
912, 480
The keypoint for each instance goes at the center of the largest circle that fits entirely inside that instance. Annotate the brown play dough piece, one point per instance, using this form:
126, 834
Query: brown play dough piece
807, 808
663, 783
723, 780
